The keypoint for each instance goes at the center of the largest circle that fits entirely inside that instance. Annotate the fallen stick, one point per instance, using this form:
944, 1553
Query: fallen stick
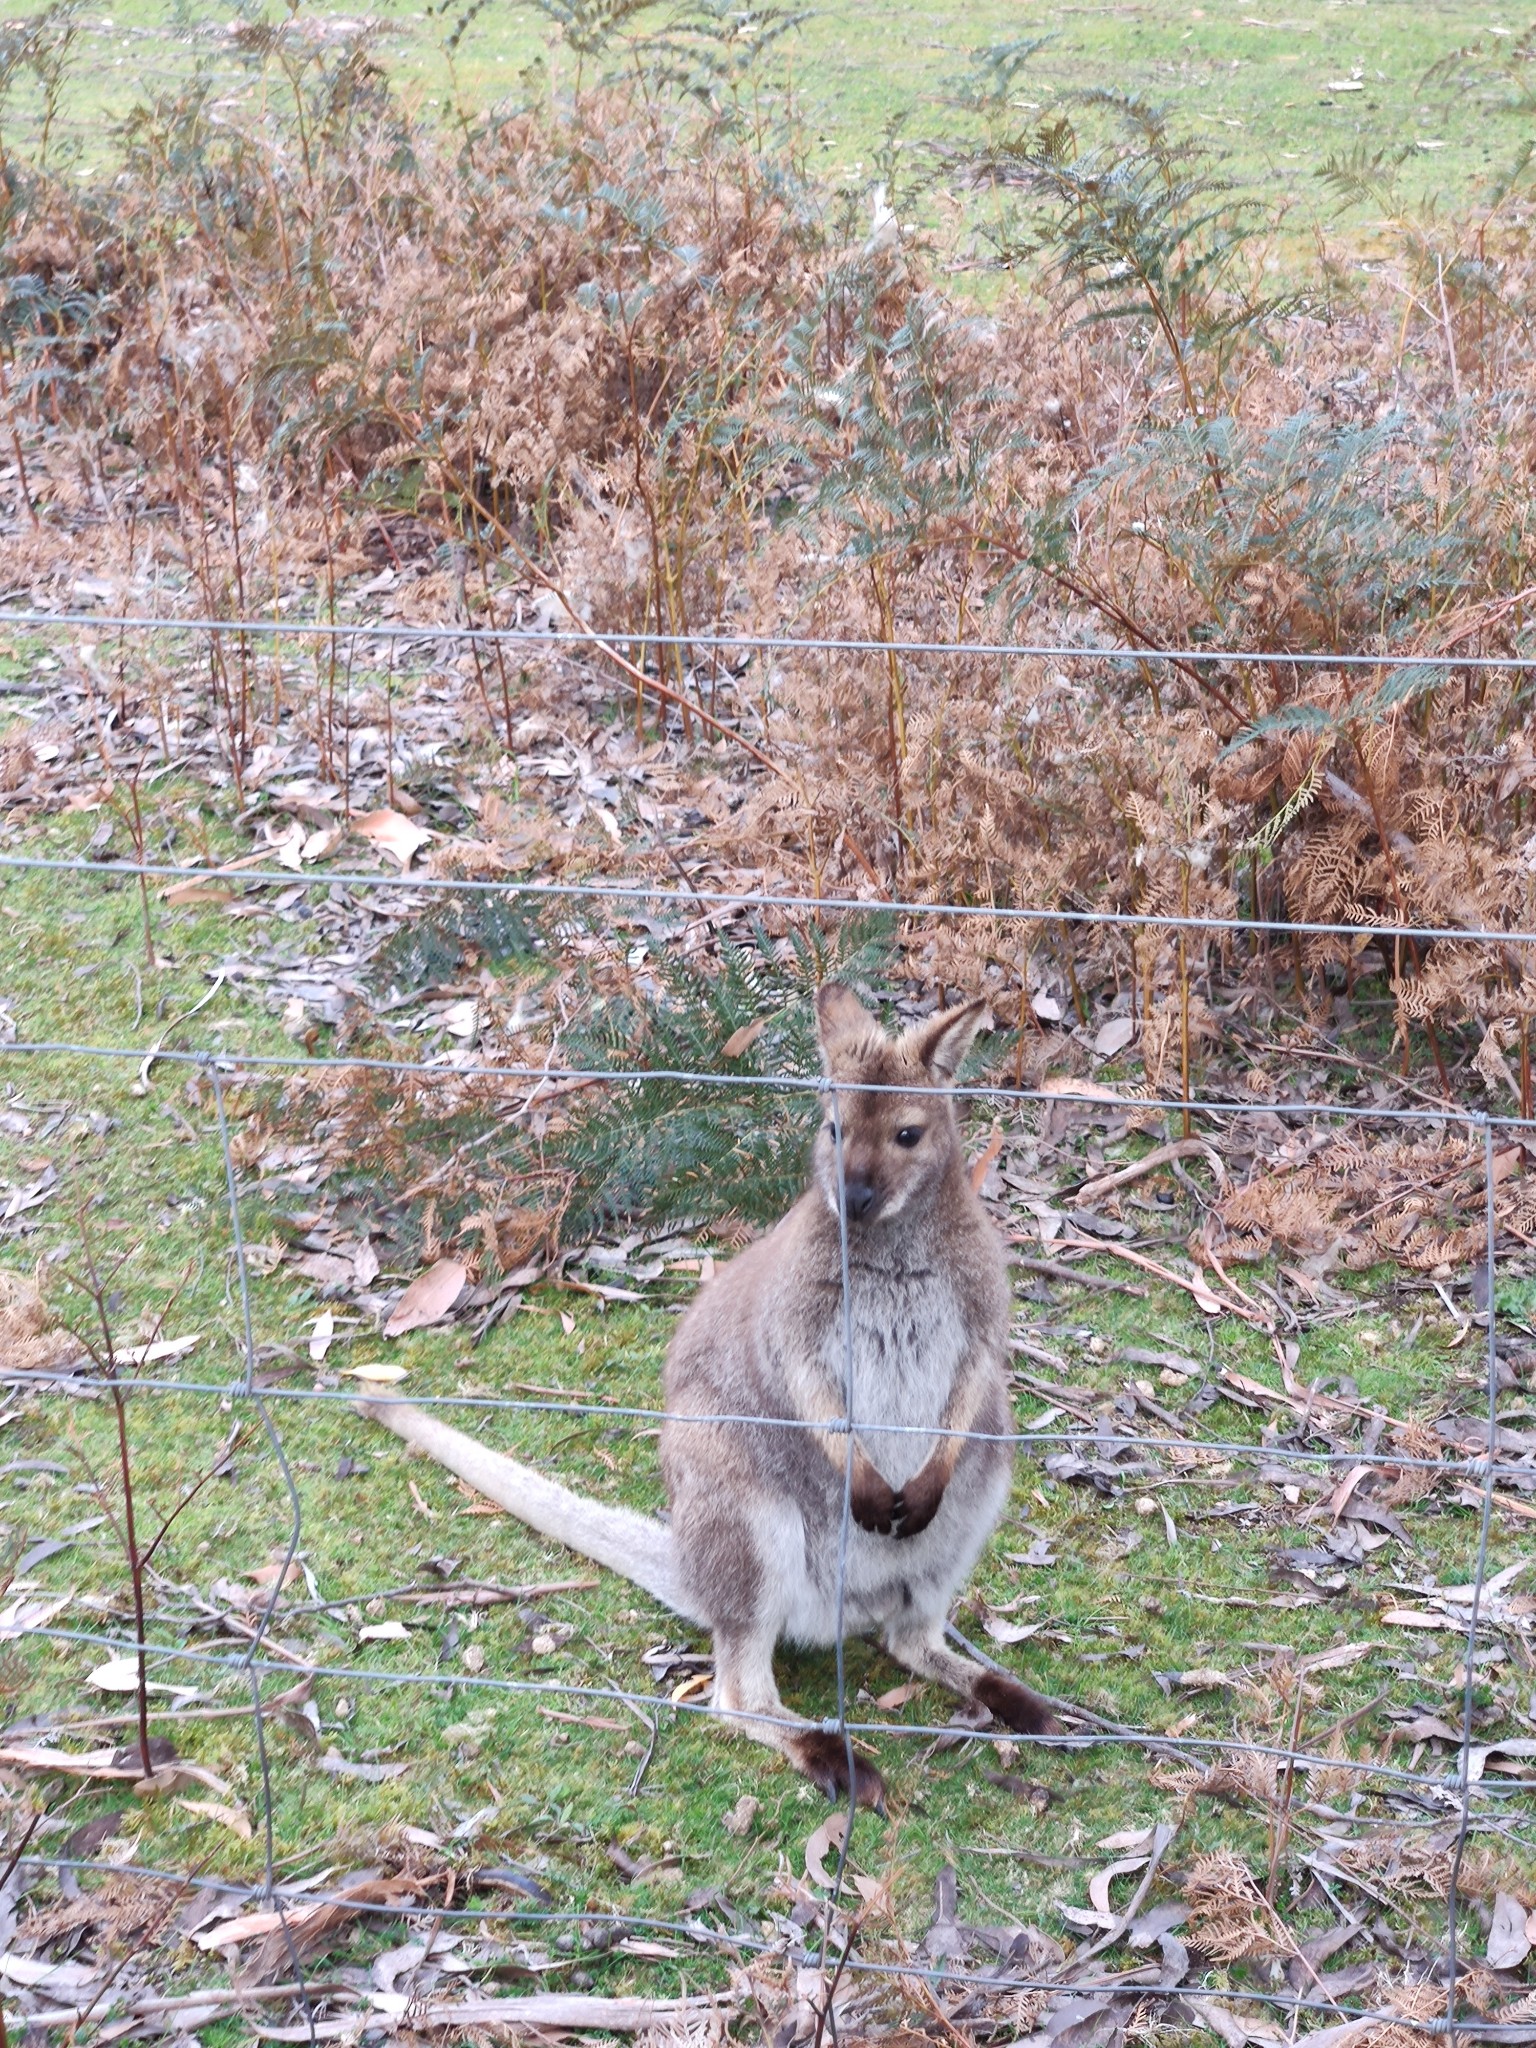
1053, 1270
1164, 1155
1201, 1291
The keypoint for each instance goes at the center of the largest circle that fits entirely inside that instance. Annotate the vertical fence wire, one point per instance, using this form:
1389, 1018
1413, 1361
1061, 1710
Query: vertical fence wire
252, 1392
1479, 1579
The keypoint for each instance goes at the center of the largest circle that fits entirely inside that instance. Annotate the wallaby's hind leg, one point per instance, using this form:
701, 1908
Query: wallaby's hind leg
747, 1696
923, 1649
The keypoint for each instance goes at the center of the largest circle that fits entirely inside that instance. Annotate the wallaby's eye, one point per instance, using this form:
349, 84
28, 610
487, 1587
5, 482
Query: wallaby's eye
909, 1135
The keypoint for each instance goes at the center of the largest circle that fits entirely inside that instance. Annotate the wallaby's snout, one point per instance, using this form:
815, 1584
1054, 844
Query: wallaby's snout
860, 1196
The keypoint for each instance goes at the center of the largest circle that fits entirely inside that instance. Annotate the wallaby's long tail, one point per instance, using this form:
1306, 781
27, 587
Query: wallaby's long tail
637, 1546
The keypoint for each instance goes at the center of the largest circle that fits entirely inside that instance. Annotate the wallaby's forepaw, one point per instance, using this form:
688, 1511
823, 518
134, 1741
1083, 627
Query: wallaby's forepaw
918, 1501
1014, 1705
823, 1757
875, 1507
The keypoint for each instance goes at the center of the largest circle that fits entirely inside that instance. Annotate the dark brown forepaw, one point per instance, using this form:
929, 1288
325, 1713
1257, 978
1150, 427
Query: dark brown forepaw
1014, 1705
823, 1757
873, 1505
918, 1501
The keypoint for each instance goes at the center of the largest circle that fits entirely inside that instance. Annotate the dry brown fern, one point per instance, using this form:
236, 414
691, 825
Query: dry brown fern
1228, 1918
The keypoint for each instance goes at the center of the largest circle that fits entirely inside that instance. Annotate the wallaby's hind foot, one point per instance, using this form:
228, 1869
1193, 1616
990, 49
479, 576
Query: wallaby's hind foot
821, 1755
926, 1653
747, 1696
1014, 1705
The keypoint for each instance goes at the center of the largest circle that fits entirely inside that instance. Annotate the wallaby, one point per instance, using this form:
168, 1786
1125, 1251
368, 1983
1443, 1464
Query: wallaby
751, 1549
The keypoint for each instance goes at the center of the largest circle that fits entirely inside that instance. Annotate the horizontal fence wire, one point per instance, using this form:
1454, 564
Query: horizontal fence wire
1451, 1792
230, 1063
161, 1654
751, 643
693, 899
1471, 1467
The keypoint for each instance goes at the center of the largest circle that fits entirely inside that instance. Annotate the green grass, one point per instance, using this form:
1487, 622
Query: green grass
1254, 81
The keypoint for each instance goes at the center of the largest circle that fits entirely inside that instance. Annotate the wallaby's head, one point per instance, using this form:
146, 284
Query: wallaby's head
898, 1143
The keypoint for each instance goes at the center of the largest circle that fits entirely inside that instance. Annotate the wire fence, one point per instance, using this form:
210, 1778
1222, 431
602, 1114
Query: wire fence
1456, 1797
578, 634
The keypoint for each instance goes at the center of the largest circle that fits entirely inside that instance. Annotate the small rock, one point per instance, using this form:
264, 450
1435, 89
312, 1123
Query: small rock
738, 1821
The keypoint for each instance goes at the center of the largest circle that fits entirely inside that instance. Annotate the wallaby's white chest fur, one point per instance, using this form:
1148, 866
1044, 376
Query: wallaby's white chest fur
907, 1341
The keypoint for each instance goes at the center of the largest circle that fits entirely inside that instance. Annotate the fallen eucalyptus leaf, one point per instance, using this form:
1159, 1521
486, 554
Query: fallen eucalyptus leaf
428, 1298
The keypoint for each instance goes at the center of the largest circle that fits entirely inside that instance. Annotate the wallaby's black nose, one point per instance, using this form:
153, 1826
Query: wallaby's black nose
859, 1196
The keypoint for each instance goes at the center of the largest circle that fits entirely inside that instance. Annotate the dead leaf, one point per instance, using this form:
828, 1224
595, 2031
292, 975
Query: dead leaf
393, 834
26, 1613
235, 1818
428, 1298
875, 1893
827, 1841
243, 1927
173, 1775
158, 1352
292, 1936
287, 847
1205, 1301
739, 1040
1113, 1037
1481, 1758
335, 1765
377, 1373
384, 1632
461, 1019
290, 1572
1011, 1631
1339, 1658
1072, 1087
1340, 1499
121, 1674
60, 1980
319, 843
197, 892
1508, 1942
320, 1336
982, 1166
1426, 1728
899, 1695
90, 1763
1127, 1838
1100, 1882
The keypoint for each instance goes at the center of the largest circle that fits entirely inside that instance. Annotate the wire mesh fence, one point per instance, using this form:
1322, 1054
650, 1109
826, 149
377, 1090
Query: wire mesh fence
1457, 1795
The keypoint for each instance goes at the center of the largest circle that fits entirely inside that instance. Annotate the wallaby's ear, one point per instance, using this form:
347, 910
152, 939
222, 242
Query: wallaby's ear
841, 1019
943, 1042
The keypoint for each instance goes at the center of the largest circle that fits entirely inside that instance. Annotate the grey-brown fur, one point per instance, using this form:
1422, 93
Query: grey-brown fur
753, 1545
